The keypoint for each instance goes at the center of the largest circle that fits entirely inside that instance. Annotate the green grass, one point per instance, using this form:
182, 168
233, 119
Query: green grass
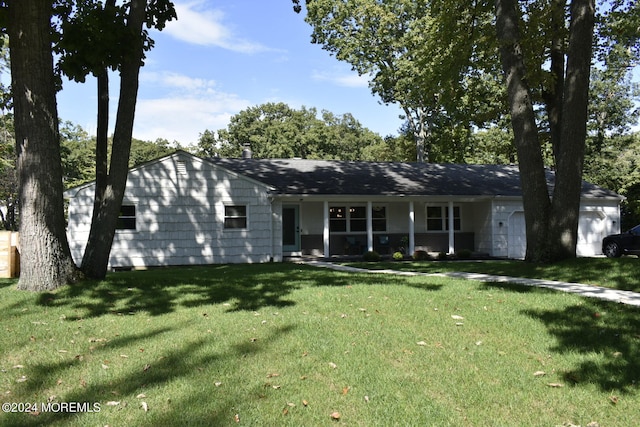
201, 345
622, 273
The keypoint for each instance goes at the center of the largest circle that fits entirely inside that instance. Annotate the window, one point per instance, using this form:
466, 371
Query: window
434, 218
338, 219
379, 218
358, 218
235, 217
126, 218
438, 218
354, 219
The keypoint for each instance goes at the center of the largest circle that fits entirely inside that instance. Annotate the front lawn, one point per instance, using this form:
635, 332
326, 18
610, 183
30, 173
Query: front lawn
284, 344
621, 273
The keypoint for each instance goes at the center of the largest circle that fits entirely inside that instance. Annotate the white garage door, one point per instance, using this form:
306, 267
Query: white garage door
517, 236
590, 233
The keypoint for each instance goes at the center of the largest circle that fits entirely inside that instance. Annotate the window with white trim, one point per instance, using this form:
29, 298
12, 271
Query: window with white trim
438, 218
126, 218
235, 217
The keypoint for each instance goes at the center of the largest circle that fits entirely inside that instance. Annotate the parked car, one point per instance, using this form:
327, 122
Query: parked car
616, 245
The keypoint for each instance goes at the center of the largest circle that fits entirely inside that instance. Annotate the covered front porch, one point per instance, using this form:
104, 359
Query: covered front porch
342, 227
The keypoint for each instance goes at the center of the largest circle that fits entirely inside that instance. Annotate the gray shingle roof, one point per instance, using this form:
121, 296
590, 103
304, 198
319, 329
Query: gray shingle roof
328, 177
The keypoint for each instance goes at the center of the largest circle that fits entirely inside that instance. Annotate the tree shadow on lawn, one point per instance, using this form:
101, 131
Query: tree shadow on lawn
161, 291
5, 283
596, 270
148, 373
607, 334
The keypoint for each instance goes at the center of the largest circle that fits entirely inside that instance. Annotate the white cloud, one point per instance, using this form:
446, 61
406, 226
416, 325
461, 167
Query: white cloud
206, 27
176, 81
183, 107
340, 79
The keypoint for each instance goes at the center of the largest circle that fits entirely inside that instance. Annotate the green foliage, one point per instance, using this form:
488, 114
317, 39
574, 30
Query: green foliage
92, 36
398, 256
143, 151
463, 254
371, 256
78, 153
401, 148
275, 130
439, 61
614, 163
417, 55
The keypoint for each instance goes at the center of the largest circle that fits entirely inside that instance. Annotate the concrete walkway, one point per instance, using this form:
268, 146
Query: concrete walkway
592, 291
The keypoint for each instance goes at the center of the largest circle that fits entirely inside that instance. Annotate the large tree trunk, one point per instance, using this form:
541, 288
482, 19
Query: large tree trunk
109, 196
554, 95
535, 196
46, 261
570, 154
552, 225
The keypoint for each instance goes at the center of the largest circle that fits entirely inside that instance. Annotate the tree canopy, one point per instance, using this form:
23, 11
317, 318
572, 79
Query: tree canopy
275, 130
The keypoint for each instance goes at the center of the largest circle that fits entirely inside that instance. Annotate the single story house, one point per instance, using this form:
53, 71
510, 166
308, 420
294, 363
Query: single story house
181, 209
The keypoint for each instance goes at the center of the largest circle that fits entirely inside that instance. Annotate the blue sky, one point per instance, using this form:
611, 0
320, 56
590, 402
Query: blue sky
222, 56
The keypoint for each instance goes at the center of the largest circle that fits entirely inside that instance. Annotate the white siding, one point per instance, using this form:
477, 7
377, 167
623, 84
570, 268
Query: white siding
501, 211
483, 226
180, 218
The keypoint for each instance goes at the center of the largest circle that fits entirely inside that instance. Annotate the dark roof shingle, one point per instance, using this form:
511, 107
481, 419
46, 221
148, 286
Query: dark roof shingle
329, 177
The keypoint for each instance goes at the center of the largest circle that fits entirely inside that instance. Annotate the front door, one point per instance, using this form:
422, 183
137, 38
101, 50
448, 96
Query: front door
290, 228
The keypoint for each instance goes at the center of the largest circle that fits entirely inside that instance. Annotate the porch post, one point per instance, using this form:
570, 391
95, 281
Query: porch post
369, 227
452, 248
412, 228
325, 231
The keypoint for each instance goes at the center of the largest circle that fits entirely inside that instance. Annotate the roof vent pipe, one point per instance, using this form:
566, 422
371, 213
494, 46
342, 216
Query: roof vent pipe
246, 152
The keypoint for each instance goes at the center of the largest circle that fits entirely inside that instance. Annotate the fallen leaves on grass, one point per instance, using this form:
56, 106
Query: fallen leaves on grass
539, 373
335, 415
555, 385
332, 365
285, 411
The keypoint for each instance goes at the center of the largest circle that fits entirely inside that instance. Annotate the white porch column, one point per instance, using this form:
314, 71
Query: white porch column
452, 248
325, 231
369, 226
412, 228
